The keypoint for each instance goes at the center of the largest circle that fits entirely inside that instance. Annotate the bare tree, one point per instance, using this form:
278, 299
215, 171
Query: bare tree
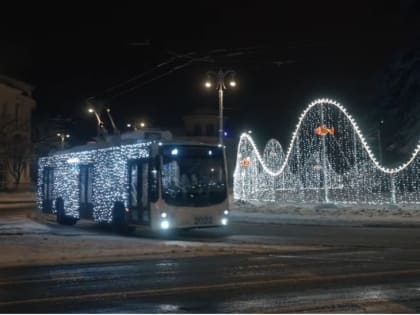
18, 153
15, 148
5, 127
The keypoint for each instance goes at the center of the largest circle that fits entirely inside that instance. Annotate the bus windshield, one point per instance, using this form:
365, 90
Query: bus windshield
193, 176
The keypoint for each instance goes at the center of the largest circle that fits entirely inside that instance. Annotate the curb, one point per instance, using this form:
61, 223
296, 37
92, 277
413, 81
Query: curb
272, 219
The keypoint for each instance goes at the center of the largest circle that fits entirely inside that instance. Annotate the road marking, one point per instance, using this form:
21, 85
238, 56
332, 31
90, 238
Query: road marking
229, 286
68, 278
375, 305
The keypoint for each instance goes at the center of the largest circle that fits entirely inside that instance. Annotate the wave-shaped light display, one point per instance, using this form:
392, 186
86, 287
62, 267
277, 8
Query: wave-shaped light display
328, 160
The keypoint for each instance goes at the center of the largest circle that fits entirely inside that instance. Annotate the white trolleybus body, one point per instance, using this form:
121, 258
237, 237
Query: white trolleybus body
136, 181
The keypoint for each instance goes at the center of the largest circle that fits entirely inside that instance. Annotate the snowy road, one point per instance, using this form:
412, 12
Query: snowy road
217, 284
247, 268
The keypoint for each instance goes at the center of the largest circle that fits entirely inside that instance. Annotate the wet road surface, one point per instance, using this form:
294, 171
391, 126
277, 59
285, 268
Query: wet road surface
351, 269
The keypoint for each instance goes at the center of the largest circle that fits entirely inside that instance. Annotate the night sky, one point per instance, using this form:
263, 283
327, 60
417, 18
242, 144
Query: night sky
285, 54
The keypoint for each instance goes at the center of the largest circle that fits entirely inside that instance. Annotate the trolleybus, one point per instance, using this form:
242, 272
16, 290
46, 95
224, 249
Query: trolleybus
137, 179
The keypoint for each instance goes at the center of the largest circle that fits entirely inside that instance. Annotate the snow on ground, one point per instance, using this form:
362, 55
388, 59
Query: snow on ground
31, 238
28, 237
25, 196
337, 214
269, 212
30, 244
46, 248
16, 200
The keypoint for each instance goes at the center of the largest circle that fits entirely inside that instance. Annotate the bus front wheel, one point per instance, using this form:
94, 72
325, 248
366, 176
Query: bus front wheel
62, 218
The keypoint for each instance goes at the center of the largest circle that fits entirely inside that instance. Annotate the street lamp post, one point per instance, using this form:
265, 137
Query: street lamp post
220, 86
380, 141
101, 131
114, 127
98, 119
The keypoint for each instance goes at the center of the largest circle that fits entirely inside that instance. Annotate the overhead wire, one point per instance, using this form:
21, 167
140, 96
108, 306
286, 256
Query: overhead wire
190, 56
175, 68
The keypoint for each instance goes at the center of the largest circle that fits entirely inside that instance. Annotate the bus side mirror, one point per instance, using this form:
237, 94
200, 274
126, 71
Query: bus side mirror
154, 181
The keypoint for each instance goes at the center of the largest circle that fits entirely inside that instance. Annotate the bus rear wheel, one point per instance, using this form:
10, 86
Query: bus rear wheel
119, 222
62, 218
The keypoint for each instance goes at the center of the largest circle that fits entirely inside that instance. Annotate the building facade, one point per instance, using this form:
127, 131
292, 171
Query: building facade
203, 125
16, 106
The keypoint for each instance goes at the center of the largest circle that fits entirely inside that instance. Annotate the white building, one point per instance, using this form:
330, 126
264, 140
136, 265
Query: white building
16, 105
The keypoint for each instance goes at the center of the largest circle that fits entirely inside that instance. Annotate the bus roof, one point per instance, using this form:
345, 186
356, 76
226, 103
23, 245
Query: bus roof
127, 139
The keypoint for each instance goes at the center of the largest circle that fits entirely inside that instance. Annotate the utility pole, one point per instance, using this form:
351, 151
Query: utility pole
220, 86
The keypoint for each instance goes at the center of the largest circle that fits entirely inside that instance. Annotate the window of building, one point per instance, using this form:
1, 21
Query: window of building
17, 111
3, 176
210, 131
197, 130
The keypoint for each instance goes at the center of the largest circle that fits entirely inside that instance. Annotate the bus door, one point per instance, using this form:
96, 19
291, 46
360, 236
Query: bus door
85, 192
139, 201
47, 189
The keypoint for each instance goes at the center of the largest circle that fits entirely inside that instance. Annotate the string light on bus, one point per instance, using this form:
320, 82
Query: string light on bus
109, 180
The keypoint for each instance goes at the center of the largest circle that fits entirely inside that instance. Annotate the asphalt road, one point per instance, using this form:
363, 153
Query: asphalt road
344, 269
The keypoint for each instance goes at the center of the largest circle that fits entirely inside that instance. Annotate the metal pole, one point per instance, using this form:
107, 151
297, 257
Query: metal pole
301, 192
380, 144
98, 119
324, 159
393, 191
220, 81
62, 142
114, 127
356, 178
221, 113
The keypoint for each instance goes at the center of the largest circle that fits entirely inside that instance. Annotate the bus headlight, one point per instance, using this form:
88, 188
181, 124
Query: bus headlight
164, 225
224, 221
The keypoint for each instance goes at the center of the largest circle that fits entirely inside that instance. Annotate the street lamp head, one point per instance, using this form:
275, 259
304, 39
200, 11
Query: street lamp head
220, 83
232, 81
207, 84
58, 134
67, 136
128, 125
142, 124
91, 110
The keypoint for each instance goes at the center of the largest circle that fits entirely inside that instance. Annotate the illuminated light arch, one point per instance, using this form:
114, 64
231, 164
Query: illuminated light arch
272, 149
291, 169
356, 128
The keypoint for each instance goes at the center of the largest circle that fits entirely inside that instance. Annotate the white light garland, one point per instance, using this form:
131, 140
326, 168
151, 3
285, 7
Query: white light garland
355, 175
109, 171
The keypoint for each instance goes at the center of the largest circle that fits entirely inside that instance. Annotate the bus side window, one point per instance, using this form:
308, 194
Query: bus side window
47, 178
154, 179
85, 183
47, 189
133, 169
